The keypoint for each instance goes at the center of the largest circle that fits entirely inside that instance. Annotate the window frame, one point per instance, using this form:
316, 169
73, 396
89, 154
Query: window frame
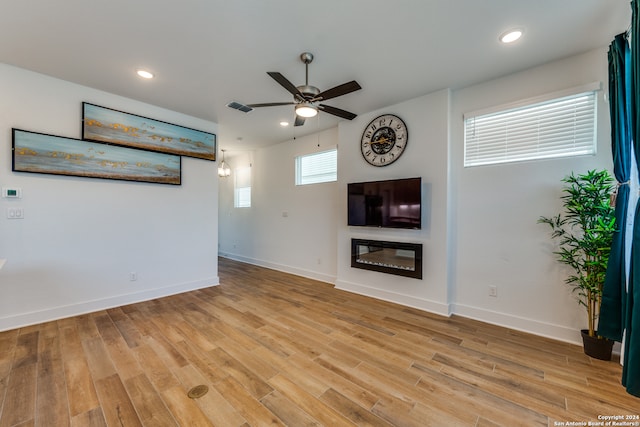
238, 191
528, 105
299, 176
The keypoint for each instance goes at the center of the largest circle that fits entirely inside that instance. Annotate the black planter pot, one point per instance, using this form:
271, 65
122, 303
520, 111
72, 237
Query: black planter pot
598, 348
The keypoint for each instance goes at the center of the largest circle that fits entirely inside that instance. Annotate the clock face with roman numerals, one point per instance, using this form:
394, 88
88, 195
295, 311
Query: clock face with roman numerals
384, 140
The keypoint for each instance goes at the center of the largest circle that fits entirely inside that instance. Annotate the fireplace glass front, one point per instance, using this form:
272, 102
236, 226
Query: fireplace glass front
400, 258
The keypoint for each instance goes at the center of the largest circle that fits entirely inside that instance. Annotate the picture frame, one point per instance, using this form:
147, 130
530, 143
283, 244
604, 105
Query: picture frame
58, 155
102, 124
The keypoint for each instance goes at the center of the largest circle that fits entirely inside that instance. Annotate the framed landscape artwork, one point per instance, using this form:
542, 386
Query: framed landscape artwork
41, 153
117, 127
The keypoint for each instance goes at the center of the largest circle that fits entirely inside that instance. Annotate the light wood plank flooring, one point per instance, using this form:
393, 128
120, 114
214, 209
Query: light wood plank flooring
277, 349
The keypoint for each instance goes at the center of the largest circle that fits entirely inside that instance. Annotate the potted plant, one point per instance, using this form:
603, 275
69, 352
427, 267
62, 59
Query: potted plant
584, 232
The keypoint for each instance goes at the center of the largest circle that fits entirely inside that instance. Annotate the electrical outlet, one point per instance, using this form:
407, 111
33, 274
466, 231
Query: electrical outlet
493, 291
133, 276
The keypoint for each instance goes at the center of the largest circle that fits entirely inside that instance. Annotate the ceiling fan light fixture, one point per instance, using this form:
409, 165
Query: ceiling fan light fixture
306, 110
307, 98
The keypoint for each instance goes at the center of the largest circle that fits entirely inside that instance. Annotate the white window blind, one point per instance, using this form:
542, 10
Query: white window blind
242, 188
560, 127
317, 167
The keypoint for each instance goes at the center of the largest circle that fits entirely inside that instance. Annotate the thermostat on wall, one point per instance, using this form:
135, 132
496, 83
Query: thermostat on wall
12, 193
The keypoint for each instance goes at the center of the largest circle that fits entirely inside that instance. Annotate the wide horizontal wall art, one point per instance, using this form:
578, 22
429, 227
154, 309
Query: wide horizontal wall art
117, 127
49, 154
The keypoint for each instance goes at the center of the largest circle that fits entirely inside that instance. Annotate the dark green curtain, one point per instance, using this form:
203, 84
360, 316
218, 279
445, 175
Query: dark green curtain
612, 314
619, 312
631, 369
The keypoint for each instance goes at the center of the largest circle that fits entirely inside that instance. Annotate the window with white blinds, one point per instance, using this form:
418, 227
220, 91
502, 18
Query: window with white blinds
560, 127
242, 188
317, 167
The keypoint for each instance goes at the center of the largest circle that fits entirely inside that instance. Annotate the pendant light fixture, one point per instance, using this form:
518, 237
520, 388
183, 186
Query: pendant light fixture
224, 170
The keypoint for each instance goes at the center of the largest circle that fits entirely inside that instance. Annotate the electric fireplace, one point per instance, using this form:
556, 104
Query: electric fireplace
399, 258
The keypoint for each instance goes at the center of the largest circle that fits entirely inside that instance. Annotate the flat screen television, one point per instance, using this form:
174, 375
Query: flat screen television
393, 203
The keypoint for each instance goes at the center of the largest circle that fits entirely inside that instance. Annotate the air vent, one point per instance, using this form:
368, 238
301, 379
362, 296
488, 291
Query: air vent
237, 106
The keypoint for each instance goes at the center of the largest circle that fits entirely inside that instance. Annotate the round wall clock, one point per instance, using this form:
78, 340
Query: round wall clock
384, 140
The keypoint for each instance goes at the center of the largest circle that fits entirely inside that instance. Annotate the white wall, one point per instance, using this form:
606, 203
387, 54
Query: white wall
498, 241
427, 120
303, 242
80, 237
479, 224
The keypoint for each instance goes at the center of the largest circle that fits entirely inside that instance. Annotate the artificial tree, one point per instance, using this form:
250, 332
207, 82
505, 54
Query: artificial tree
584, 232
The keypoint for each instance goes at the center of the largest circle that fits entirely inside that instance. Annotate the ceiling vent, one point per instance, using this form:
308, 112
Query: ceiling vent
237, 106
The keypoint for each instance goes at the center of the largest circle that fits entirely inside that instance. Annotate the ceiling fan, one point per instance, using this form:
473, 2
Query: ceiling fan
306, 98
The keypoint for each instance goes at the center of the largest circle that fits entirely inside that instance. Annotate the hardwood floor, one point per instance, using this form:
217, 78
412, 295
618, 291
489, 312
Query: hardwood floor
276, 349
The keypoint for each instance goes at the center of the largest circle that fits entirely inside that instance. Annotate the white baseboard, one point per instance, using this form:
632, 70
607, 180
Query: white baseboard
408, 300
536, 327
523, 324
548, 330
55, 313
321, 277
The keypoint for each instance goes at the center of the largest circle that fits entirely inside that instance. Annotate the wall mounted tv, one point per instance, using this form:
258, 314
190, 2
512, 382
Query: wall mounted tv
390, 204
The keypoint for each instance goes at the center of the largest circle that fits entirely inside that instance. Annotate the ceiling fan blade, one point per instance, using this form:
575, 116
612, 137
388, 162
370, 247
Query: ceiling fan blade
340, 90
270, 104
285, 83
299, 121
337, 112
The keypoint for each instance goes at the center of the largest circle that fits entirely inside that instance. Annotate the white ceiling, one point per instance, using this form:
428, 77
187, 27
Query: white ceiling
206, 53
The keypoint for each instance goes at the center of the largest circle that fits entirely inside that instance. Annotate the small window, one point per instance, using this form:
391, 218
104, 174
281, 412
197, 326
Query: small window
560, 127
317, 167
242, 188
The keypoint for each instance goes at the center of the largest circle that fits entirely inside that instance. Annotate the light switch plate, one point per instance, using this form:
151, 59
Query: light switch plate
15, 213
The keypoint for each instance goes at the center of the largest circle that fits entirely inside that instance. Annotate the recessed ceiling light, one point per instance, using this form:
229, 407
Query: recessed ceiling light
284, 124
510, 36
145, 74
